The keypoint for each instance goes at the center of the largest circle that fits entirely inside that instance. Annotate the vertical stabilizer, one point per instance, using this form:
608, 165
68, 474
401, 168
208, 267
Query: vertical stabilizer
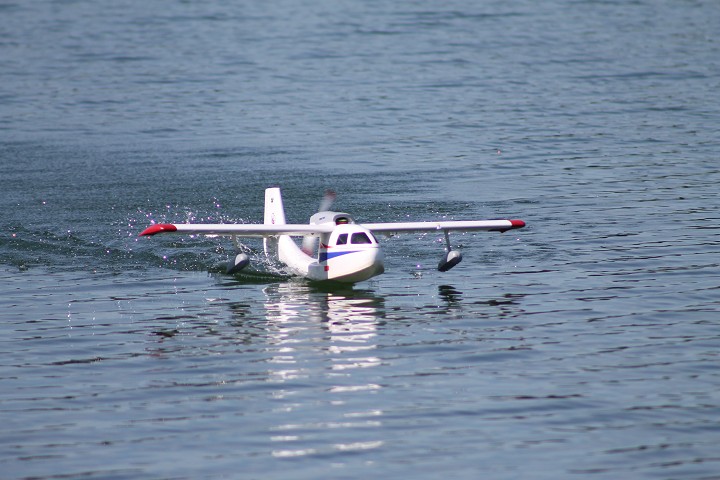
274, 215
274, 211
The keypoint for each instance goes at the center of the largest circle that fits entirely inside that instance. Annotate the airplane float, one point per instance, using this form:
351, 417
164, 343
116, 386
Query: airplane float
349, 252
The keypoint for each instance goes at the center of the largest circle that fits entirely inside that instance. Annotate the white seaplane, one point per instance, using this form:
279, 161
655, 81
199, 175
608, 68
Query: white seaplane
348, 252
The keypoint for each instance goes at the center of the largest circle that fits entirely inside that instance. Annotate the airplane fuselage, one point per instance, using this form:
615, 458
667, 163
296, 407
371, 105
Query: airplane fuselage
350, 253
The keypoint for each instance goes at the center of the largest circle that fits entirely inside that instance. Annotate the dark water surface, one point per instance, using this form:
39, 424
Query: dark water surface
583, 346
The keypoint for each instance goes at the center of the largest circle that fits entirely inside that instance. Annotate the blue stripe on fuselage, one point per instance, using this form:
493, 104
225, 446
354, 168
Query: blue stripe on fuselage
325, 256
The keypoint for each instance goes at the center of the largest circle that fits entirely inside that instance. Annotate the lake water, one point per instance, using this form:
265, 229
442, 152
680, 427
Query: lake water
586, 345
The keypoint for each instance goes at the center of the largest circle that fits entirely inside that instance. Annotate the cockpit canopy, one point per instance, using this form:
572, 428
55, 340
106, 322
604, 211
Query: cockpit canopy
357, 238
352, 235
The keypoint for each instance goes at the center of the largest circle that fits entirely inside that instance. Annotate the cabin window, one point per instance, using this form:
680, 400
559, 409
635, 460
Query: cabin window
360, 238
342, 239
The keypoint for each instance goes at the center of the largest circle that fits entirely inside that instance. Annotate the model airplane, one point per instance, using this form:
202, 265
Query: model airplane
348, 251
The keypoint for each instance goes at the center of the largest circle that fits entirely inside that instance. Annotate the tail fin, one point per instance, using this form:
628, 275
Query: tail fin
274, 210
274, 215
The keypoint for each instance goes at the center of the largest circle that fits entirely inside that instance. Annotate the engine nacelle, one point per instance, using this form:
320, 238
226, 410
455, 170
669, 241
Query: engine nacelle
449, 260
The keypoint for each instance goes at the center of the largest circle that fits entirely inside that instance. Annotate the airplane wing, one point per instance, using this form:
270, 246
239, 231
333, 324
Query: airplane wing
459, 226
262, 230
240, 230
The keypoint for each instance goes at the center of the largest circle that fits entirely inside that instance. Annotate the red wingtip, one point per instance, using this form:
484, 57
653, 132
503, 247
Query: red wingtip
517, 223
159, 228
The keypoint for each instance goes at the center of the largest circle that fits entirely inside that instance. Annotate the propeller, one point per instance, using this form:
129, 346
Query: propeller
308, 244
327, 200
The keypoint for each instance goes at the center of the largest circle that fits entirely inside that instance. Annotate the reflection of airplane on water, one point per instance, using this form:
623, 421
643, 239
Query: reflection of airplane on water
314, 355
348, 252
350, 318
